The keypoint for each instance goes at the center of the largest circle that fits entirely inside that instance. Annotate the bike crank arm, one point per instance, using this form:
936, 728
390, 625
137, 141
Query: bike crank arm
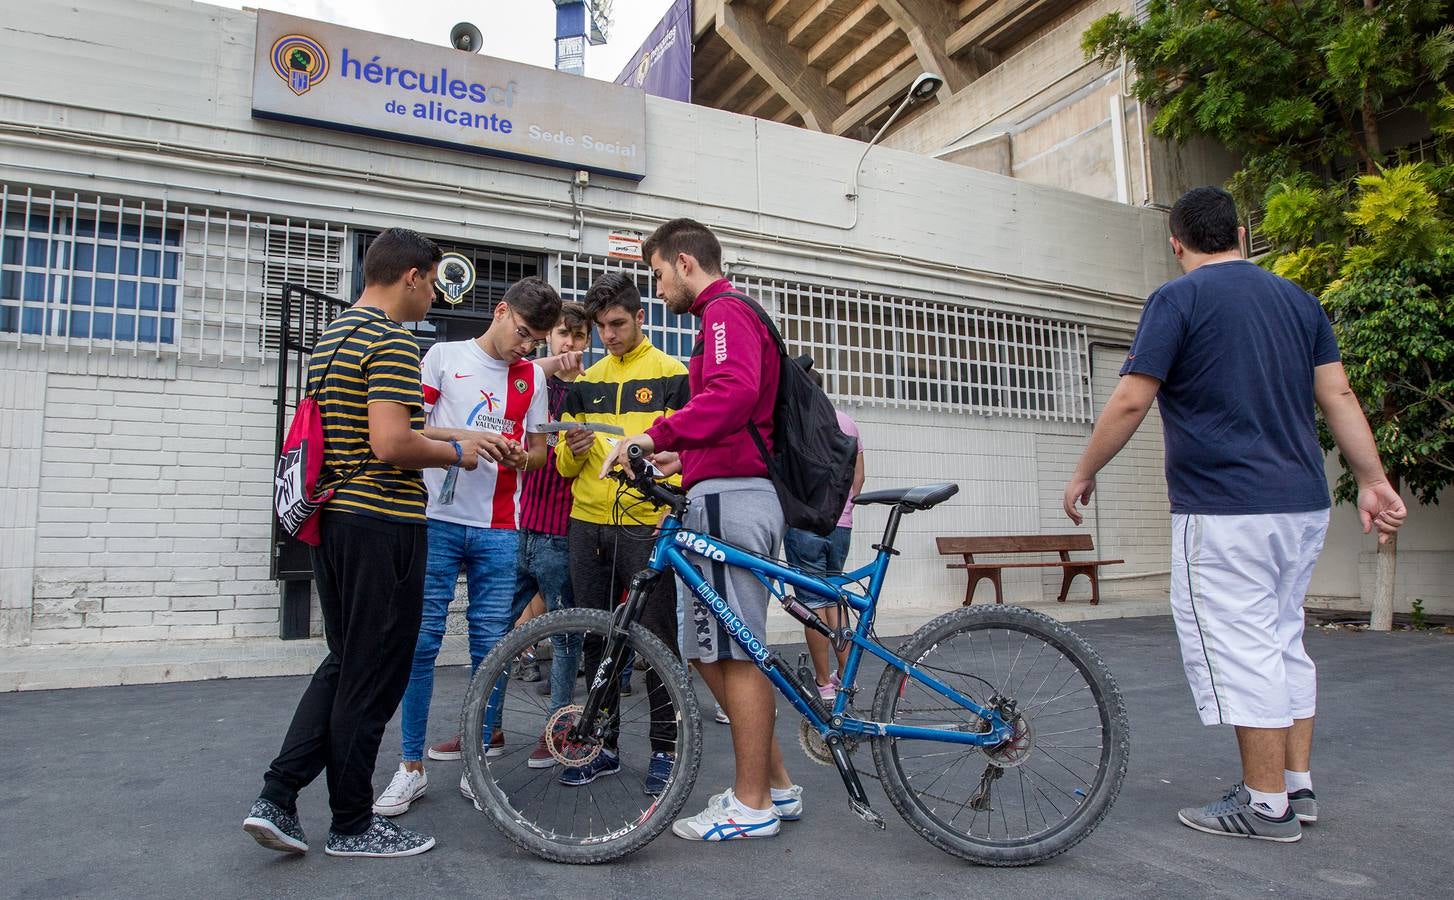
857, 799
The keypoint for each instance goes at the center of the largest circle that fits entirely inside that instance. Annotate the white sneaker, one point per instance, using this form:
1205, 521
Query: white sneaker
403, 790
469, 792
721, 716
789, 809
725, 819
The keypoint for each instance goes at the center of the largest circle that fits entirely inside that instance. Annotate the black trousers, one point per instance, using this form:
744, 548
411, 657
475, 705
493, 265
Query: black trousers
370, 579
602, 560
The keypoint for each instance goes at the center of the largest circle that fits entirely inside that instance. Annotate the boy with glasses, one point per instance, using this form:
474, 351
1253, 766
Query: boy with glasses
487, 388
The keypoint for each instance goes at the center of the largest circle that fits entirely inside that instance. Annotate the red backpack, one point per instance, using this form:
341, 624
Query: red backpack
296, 496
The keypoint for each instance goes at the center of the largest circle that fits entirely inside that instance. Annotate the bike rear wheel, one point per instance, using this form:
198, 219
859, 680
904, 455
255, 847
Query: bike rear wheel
1037, 794
610, 816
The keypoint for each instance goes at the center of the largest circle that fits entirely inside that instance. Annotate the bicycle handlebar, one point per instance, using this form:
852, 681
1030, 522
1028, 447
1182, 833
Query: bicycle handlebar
660, 493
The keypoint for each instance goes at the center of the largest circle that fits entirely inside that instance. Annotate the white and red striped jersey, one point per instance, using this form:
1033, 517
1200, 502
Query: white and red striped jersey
465, 387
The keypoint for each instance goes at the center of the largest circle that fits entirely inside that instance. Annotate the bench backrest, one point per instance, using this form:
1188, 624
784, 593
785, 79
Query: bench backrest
1015, 543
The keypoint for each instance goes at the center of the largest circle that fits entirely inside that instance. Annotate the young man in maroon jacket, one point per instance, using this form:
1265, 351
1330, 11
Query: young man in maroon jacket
733, 375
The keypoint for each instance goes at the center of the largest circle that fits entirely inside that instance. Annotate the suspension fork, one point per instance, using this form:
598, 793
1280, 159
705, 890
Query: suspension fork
613, 657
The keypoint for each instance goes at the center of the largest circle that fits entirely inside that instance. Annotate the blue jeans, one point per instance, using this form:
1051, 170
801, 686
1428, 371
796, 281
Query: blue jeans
812, 553
483, 553
543, 567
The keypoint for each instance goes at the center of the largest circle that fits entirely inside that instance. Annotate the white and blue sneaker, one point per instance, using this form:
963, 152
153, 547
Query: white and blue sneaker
789, 808
725, 819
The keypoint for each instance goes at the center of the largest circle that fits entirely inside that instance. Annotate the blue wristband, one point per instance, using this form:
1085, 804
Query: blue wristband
458, 452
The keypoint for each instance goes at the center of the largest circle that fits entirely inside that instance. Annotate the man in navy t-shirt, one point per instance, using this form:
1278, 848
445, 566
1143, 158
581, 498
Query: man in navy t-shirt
1238, 358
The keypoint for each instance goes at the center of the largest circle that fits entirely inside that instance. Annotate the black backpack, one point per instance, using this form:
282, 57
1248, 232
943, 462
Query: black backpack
812, 463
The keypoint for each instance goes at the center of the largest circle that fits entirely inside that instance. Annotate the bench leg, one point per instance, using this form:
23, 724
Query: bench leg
1095, 587
994, 578
1065, 581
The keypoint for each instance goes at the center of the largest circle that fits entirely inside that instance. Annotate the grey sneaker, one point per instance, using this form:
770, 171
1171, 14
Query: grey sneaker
382, 840
1234, 815
275, 828
1304, 805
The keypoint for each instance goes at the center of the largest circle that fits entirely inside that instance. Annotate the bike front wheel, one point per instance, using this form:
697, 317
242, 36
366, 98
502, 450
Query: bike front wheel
1040, 792
580, 800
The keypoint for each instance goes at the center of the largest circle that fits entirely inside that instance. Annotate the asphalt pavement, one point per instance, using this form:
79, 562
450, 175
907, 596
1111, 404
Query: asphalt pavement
140, 791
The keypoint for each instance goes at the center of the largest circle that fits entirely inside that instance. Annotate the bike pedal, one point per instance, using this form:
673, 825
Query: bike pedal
866, 813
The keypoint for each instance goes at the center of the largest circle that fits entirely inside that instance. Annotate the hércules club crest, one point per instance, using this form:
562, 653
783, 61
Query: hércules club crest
300, 61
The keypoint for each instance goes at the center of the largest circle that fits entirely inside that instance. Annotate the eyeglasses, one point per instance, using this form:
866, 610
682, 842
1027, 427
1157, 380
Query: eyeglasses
521, 334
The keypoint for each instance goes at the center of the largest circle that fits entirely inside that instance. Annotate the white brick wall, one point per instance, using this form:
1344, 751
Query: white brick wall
154, 518
21, 439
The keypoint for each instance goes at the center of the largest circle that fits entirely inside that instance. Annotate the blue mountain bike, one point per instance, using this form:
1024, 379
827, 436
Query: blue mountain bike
997, 733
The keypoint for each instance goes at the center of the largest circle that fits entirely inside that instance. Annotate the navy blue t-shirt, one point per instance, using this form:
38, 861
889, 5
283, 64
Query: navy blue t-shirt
1234, 347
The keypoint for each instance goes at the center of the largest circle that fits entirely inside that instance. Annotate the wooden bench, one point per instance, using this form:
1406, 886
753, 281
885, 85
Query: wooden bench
967, 547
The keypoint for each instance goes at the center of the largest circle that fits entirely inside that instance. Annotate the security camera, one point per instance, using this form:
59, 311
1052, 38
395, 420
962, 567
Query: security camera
466, 37
925, 86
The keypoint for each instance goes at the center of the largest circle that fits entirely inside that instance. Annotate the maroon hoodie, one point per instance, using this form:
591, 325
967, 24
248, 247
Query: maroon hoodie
733, 376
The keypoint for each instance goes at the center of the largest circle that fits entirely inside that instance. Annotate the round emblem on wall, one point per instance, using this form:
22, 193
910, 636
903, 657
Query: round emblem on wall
456, 276
300, 61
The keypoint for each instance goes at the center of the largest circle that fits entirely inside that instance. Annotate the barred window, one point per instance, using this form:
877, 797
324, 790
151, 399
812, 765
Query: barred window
89, 268
668, 331
925, 354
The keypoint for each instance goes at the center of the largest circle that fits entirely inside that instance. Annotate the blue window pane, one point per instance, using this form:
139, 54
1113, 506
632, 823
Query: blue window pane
10, 250
105, 294
126, 295
129, 231
101, 325
105, 259
107, 230
169, 298
129, 260
169, 331
151, 261
146, 329
125, 328
85, 256
173, 261
81, 292
80, 324
31, 321
174, 237
149, 296
34, 286
10, 285
35, 252
9, 318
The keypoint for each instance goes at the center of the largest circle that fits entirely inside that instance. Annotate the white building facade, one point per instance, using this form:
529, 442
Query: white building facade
970, 323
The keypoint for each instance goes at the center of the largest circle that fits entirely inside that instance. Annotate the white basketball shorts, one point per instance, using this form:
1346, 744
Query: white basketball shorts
1237, 586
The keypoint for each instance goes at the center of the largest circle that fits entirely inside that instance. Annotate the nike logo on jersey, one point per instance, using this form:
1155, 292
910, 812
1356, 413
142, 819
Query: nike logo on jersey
461, 375
598, 400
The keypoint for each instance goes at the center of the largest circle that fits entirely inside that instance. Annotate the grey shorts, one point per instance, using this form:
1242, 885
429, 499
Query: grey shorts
744, 512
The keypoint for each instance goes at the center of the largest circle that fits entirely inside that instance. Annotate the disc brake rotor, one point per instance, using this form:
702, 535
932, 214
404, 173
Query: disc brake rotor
1018, 747
557, 739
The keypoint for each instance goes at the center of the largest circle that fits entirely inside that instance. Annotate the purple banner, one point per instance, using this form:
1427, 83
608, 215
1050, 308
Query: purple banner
663, 65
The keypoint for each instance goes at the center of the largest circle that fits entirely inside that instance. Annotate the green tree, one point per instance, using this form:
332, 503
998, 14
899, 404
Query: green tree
1304, 91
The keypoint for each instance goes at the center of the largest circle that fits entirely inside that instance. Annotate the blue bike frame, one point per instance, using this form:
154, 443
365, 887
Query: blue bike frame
669, 556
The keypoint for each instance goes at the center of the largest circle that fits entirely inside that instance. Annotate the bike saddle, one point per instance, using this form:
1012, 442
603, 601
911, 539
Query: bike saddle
924, 496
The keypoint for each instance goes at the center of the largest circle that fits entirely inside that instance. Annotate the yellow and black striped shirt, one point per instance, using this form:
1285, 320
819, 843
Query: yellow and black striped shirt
376, 360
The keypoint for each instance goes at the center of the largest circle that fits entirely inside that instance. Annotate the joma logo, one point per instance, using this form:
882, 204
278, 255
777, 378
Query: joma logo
701, 546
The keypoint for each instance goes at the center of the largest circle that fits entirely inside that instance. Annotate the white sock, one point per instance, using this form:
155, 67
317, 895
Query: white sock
1297, 781
749, 811
783, 793
1271, 805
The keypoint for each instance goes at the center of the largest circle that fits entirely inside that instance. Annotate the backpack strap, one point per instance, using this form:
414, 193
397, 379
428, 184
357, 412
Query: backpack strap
782, 352
313, 394
334, 352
